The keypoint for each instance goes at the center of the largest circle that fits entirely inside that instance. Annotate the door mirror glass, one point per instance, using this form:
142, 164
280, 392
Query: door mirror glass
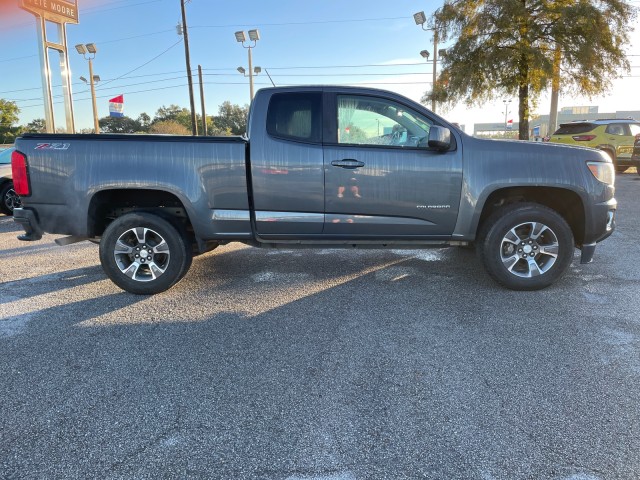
439, 138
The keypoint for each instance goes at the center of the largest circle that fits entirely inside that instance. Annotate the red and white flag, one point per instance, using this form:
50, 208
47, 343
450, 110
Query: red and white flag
116, 106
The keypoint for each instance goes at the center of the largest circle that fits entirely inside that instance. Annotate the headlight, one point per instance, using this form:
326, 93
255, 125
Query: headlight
604, 172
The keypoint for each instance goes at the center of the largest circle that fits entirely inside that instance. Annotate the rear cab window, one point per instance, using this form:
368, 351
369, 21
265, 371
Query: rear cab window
296, 116
574, 128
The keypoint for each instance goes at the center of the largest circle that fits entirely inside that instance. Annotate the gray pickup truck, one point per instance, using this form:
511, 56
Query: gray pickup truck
321, 166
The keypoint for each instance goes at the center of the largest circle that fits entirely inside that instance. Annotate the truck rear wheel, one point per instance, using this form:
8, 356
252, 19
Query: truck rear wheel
144, 254
526, 246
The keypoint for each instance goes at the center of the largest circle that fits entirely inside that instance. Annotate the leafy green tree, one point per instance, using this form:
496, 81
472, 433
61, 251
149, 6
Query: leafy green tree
145, 121
232, 118
119, 125
36, 126
507, 47
175, 114
169, 127
8, 116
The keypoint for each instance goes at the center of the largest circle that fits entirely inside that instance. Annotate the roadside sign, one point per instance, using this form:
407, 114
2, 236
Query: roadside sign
58, 11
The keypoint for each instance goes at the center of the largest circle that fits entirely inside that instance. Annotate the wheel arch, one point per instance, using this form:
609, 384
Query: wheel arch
109, 204
568, 203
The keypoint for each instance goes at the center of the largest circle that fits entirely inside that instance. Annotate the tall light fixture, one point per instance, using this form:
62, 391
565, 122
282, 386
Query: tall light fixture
256, 71
421, 19
254, 36
88, 51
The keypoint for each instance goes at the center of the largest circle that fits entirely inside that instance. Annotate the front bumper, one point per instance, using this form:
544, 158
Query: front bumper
605, 214
29, 221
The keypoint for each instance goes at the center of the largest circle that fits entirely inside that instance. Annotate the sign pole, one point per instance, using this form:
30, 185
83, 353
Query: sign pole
59, 12
46, 75
66, 79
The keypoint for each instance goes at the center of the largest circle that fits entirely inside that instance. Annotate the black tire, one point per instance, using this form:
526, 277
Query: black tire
8, 199
521, 255
139, 234
618, 168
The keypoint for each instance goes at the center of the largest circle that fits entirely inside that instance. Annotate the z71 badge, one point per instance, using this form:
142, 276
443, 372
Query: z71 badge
52, 146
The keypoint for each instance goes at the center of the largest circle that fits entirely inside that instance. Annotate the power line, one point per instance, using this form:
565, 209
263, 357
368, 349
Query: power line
319, 22
146, 63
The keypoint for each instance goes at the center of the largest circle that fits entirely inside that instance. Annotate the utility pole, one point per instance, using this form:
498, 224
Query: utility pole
204, 115
194, 125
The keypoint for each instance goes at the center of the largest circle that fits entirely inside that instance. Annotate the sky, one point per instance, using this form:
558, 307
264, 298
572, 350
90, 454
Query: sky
140, 55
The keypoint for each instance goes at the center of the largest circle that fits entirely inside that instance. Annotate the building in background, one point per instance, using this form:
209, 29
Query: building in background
540, 123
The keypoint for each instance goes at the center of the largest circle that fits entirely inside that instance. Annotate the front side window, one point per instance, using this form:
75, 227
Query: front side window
373, 121
296, 116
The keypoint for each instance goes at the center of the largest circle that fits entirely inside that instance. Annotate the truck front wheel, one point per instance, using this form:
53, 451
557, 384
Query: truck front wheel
144, 254
526, 246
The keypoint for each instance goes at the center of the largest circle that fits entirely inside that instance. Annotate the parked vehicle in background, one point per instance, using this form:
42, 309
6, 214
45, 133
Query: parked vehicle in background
9, 200
614, 136
321, 167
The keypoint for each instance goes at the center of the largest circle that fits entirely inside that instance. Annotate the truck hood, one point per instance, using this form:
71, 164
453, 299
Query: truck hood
521, 150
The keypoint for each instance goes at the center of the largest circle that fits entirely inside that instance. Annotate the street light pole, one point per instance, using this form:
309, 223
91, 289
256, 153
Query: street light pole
88, 51
254, 36
250, 75
421, 19
435, 59
96, 125
506, 108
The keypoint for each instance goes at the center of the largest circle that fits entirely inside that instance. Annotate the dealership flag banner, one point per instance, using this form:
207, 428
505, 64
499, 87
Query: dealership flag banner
116, 106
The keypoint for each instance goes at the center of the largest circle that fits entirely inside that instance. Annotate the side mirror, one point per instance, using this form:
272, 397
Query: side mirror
439, 138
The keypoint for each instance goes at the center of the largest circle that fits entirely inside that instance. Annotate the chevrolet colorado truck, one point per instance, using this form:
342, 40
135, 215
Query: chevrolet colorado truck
319, 167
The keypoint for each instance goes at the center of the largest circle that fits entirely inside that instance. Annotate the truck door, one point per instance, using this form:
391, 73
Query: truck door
287, 164
381, 179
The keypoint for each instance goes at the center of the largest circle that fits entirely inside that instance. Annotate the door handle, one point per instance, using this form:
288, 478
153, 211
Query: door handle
347, 163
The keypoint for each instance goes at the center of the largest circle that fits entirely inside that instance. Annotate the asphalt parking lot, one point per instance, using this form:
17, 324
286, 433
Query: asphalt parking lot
321, 364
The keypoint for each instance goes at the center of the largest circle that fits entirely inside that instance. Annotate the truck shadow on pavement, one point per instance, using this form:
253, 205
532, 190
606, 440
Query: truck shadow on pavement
52, 282
298, 366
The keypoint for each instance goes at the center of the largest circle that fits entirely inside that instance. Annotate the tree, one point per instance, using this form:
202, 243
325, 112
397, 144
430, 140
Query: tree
506, 47
173, 113
37, 125
8, 116
145, 121
232, 118
169, 127
119, 125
